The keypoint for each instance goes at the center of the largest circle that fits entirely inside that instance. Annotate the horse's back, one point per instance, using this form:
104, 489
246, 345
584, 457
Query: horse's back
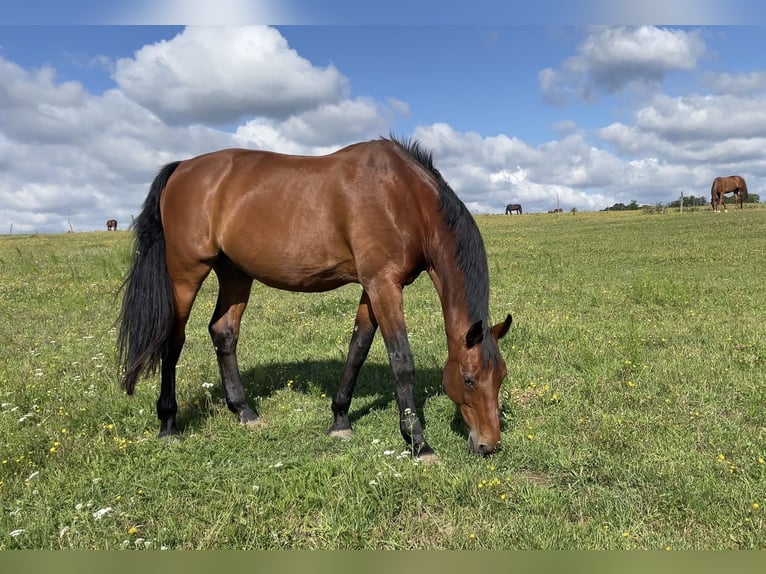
298, 222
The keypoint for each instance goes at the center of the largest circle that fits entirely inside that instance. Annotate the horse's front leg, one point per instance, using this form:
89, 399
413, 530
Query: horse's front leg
389, 311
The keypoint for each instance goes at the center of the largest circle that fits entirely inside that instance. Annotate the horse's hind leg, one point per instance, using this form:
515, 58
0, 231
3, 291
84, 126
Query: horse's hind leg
184, 293
365, 326
233, 294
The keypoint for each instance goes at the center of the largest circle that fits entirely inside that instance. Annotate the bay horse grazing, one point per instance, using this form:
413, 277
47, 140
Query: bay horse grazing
512, 208
722, 185
376, 213
111, 225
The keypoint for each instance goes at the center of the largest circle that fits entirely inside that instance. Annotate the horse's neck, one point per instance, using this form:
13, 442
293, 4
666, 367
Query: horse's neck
449, 282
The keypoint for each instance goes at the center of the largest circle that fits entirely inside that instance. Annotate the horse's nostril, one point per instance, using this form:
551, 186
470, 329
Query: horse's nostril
486, 450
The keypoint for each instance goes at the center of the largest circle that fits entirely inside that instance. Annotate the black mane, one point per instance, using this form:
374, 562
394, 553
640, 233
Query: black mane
471, 255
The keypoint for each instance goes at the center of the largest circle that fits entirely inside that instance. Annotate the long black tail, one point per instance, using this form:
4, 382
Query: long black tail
147, 315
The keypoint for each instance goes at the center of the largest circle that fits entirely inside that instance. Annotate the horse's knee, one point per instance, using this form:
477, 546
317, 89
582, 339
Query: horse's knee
402, 364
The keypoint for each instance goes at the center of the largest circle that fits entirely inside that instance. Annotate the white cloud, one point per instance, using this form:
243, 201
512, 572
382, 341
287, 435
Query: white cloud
487, 173
220, 75
321, 130
706, 130
612, 59
709, 117
739, 84
70, 156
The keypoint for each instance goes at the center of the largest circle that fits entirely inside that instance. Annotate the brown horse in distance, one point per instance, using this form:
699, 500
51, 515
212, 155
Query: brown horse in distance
376, 213
722, 185
512, 208
111, 225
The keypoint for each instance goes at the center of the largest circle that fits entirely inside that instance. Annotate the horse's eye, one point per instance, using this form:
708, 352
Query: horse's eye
469, 381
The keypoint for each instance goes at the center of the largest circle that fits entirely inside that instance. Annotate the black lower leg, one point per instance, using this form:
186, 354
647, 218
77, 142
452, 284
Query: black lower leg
225, 342
361, 340
167, 407
403, 366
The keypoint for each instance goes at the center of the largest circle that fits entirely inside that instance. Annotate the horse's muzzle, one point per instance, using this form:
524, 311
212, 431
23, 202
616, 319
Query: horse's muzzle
478, 445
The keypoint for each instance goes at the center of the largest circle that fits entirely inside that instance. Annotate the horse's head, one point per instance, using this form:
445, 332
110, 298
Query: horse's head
472, 381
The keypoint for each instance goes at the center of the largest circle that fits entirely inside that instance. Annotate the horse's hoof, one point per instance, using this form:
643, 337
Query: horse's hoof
342, 434
168, 433
428, 458
254, 423
169, 439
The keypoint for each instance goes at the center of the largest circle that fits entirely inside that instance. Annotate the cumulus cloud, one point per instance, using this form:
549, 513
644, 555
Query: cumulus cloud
613, 59
489, 172
693, 129
739, 84
69, 155
219, 75
321, 130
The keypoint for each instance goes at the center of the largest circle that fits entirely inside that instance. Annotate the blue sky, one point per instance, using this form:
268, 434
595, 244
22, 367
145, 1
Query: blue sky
552, 111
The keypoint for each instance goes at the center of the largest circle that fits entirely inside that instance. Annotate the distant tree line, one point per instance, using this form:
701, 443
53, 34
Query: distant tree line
690, 201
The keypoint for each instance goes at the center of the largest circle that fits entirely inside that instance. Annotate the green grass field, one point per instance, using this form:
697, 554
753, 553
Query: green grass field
633, 409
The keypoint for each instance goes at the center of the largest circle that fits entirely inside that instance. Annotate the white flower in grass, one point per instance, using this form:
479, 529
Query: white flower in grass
101, 512
18, 532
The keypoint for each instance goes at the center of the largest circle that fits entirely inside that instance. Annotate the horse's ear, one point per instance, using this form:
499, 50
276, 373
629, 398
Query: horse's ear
498, 331
475, 335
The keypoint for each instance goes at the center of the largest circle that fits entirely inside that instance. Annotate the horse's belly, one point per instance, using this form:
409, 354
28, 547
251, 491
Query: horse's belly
305, 271
311, 280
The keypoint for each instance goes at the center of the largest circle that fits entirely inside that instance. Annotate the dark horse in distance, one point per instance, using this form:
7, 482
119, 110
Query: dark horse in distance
376, 213
722, 185
512, 208
111, 225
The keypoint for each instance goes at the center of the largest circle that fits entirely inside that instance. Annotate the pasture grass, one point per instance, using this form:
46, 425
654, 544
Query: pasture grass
633, 410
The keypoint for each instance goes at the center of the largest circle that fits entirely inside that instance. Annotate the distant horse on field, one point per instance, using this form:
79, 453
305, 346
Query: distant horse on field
557, 210
722, 185
512, 208
111, 225
376, 213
